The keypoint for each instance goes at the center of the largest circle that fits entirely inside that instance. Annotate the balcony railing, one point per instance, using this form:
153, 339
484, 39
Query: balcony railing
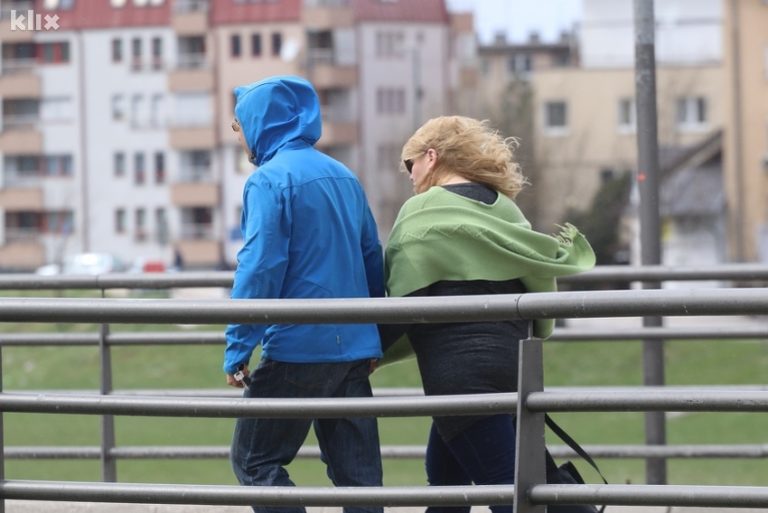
195, 174
185, 6
191, 61
18, 65
197, 231
20, 121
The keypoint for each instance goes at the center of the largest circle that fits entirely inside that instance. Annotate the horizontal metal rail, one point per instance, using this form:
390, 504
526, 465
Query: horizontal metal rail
223, 279
646, 399
477, 404
391, 310
396, 496
217, 337
744, 451
651, 399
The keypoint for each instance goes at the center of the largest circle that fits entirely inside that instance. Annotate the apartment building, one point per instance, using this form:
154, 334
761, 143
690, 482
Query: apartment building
746, 126
586, 116
116, 123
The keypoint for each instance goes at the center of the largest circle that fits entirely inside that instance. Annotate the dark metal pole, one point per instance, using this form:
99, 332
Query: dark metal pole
650, 240
2, 438
108, 463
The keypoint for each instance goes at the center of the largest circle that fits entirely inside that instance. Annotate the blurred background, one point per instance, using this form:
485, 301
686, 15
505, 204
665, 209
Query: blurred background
116, 150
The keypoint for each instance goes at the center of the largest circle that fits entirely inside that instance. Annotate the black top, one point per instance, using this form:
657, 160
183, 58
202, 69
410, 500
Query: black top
465, 357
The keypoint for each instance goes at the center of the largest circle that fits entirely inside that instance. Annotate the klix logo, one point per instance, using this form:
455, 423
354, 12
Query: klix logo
29, 20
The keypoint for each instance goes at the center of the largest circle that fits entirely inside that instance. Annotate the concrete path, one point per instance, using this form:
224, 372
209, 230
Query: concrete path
81, 507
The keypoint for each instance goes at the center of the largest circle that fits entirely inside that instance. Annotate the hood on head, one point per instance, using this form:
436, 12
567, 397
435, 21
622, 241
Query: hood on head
275, 111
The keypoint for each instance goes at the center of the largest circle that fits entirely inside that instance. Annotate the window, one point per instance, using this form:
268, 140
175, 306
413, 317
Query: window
520, 64
119, 164
117, 50
691, 112
390, 101
159, 168
58, 165
157, 111
57, 109
136, 53
120, 220
555, 117
138, 117
256, 45
140, 216
234, 45
626, 115
53, 53
138, 169
277, 44
118, 107
765, 62
389, 44
157, 53
161, 224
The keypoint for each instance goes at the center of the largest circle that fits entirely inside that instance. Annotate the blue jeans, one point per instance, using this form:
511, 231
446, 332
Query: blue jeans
261, 448
483, 454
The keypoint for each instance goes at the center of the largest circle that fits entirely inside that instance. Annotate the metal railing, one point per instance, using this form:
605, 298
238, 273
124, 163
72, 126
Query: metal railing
529, 410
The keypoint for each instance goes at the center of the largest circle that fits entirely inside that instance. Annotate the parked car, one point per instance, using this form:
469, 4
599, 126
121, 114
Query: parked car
84, 263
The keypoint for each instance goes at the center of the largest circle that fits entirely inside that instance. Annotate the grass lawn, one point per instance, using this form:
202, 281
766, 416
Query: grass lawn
566, 364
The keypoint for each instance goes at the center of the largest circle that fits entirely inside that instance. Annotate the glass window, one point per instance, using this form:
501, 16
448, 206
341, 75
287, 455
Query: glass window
256, 45
277, 43
117, 50
234, 45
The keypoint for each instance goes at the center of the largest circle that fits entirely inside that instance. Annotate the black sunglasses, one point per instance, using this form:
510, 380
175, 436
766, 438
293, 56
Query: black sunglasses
408, 165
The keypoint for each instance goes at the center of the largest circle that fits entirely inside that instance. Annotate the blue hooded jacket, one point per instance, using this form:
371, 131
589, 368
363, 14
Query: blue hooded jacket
307, 229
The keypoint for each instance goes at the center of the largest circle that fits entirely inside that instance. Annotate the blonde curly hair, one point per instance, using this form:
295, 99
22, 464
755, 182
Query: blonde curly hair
469, 148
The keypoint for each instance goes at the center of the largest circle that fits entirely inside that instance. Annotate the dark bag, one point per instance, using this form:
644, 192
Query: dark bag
567, 473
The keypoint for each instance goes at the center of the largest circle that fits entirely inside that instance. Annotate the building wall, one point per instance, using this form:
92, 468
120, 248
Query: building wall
688, 31
141, 131
574, 158
746, 144
397, 94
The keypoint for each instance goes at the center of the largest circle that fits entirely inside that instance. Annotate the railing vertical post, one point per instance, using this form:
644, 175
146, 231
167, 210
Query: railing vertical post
650, 238
108, 464
2, 436
530, 469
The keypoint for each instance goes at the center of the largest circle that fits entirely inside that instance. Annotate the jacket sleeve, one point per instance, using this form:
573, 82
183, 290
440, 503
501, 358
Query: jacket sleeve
372, 254
261, 264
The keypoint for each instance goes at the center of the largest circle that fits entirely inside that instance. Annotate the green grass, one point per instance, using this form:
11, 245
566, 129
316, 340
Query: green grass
566, 364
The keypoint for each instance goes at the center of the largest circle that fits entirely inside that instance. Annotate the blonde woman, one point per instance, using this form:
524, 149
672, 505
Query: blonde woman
463, 234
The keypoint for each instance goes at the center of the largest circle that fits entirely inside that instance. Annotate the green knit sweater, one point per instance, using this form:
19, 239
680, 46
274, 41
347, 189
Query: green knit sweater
442, 236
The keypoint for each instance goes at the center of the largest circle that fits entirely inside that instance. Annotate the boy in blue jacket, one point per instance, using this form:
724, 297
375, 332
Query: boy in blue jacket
308, 233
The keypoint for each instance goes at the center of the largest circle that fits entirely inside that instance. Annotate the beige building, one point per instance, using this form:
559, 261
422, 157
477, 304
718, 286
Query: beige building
586, 129
746, 127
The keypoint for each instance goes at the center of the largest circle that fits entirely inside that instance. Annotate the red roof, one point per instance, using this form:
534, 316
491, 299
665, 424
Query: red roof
231, 11
424, 11
86, 14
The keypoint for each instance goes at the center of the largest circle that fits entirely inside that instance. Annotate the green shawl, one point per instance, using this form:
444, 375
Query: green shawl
439, 235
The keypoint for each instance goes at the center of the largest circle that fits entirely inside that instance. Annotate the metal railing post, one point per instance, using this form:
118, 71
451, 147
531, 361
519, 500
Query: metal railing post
2, 437
530, 469
108, 462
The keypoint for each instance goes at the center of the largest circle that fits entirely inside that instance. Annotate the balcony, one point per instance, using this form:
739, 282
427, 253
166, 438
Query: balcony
19, 80
338, 133
22, 250
190, 80
9, 33
199, 252
20, 138
327, 14
195, 194
13, 199
185, 137
190, 17
325, 73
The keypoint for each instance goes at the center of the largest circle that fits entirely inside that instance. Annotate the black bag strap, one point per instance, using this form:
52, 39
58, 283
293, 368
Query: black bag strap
573, 444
